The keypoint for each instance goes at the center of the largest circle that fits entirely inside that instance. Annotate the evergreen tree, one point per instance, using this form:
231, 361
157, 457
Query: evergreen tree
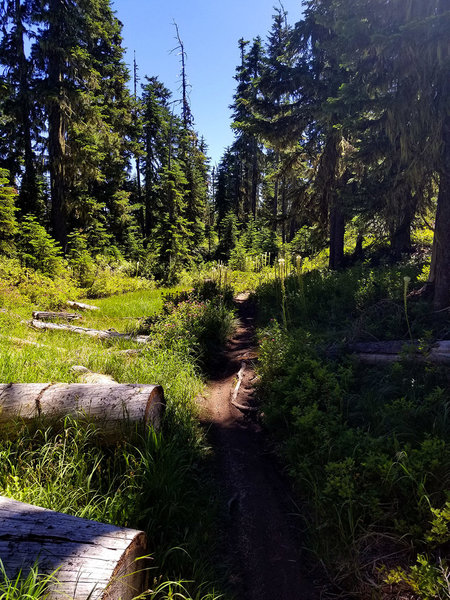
398, 56
246, 144
21, 119
8, 223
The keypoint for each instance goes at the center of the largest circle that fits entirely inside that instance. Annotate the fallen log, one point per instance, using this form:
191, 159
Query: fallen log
81, 306
85, 375
109, 404
41, 315
97, 333
393, 351
94, 560
24, 342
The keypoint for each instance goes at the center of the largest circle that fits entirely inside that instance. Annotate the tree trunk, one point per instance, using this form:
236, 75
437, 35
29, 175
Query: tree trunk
111, 404
401, 234
275, 205
56, 128
28, 196
358, 252
441, 245
337, 233
94, 560
255, 177
283, 210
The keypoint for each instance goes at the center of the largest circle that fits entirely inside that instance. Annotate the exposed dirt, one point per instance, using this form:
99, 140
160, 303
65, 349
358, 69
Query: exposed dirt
263, 545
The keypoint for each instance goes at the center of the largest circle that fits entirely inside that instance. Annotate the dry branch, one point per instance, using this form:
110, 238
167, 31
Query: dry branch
94, 560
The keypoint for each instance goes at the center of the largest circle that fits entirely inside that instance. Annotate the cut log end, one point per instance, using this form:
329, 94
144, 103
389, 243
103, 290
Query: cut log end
155, 409
93, 560
110, 404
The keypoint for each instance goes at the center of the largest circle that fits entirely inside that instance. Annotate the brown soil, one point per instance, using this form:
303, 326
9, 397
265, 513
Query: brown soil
261, 521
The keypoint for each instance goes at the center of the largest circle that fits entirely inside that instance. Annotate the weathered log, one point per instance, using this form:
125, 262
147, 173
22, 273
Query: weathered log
109, 404
390, 347
393, 351
48, 316
94, 560
81, 306
97, 333
24, 342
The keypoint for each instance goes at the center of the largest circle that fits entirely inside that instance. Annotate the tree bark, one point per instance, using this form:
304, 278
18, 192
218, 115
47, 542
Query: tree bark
110, 404
94, 560
441, 245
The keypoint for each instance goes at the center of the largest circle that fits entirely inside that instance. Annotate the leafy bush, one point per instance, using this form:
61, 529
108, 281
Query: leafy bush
109, 281
191, 327
19, 284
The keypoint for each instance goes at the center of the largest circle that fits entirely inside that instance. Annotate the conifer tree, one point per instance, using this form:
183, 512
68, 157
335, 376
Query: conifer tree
21, 123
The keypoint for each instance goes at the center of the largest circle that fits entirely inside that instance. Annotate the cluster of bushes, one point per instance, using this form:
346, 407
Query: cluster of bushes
368, 447
194, 323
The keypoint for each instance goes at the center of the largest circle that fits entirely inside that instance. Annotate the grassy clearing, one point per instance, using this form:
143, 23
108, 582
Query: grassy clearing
368, 447
156, 482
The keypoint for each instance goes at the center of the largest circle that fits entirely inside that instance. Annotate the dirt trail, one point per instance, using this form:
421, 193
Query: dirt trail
263, 546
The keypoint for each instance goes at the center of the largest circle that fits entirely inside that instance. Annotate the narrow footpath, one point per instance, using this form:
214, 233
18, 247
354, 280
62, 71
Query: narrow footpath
263, 545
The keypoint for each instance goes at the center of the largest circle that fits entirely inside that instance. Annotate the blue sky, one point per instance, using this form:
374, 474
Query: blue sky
210, 31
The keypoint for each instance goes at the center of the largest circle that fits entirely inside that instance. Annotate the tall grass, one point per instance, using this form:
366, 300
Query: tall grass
159, 482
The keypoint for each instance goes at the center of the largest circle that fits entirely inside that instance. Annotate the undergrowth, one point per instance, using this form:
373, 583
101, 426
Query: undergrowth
155, 481
367, 446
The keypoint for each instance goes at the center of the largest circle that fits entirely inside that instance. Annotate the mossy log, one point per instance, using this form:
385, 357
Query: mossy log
97, 333
108, 404
93, 560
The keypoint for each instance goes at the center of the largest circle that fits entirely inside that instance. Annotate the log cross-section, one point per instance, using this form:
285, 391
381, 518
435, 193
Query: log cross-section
109, 404
92, 560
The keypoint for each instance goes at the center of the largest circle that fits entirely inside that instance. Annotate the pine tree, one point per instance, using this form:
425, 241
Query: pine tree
20, 127
8, 223
397, 54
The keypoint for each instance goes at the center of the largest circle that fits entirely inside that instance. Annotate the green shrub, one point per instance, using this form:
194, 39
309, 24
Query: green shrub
19, 284
367, 446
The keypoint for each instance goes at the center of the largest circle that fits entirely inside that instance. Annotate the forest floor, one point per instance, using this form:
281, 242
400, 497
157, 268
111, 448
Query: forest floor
261, 521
